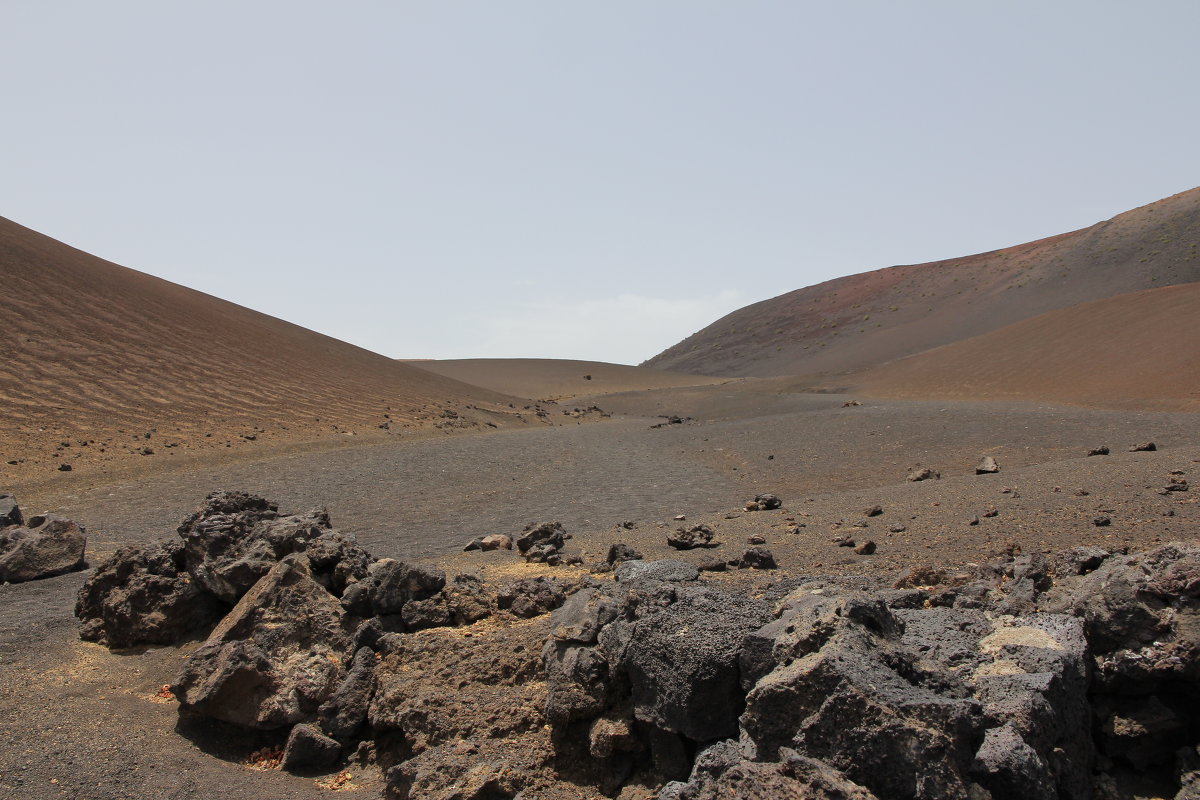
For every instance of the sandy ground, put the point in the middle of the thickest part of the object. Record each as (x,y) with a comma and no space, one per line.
(558,379)
(423,499)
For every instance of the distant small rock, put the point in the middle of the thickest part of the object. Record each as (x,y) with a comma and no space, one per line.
(897,528)
(991,512)
(973,521)
(755,558)
(688,538)
(1098,451)
(873,511)
(764,502)
(1102,521)
(756,539)
(622,552)
(923,474)
(843,541)
(987,466)
(866,548)
(64,467)
(1143,447)
(530,597)
(495,541)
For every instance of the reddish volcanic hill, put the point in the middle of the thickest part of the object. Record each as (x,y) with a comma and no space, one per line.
(862,320)
(94,352)
(1135,350)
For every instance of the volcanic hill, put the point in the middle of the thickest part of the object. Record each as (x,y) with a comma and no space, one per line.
(864,320)
(99,362)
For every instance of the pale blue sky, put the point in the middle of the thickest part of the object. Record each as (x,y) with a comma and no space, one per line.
(577,180)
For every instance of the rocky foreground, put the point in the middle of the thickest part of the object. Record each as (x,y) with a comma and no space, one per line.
(1063,676)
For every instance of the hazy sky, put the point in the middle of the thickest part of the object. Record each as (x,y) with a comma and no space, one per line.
(577,180)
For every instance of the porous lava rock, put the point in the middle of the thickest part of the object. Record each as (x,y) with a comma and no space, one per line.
(755,558)
(764,502)
(695,536)
(144,596)
(531,597)
(620,552)
(235,538)
(646,672)
(545,534)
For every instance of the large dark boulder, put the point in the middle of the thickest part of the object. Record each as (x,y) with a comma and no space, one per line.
(275,658)
(646,670)
(46,546)
(904,702)
(144,596)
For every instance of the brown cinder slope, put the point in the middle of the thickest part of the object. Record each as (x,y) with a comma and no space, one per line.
(94,351)
(861,320)
(1135,350)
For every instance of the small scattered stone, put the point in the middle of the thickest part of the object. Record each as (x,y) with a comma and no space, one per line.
(1098,451)
(680,517)
(923,474)
(1102,521)
(866,548)
(756,539)
(897,528)
(696,536)
(64,467)
(844,541)
(755,558)
(987,466)
(1143,447)
(991,512)
(767,502)
(873,511)
(495,541)
(973,521)
(622,552)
